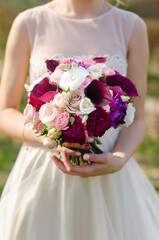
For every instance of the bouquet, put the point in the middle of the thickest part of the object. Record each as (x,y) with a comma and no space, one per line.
(78,99)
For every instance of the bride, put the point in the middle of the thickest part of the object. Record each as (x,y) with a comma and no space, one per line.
(49,199)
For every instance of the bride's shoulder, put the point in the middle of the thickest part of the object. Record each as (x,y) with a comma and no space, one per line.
(125,15)
(128,20)
(34,13)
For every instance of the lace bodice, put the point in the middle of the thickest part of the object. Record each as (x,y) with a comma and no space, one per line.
(38,66)
(55,37)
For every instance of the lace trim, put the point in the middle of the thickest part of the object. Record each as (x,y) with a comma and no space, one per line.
(38,66)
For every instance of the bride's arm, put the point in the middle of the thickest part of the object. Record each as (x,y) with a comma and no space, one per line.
(130,138)
(12,84)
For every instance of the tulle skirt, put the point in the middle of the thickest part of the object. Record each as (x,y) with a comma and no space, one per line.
(39,202)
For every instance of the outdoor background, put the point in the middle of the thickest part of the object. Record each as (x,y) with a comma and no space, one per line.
(148,153)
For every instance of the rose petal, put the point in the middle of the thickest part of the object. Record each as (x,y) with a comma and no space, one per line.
(99,93)
(126,85)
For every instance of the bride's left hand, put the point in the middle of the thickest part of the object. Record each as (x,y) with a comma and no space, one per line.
(102,164)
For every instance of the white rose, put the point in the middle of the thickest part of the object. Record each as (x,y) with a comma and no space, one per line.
(130,114)
(73,78)
(86,106)
(29,114)
(96,71)
(47,114)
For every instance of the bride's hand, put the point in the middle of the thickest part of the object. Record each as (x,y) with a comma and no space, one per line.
(66,147)
(102,164)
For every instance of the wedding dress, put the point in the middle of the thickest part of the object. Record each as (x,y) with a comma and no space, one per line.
(39,202)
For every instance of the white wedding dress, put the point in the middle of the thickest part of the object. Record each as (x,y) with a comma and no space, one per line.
(39,202)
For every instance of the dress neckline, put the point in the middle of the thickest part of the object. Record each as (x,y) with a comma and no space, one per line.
(80,19)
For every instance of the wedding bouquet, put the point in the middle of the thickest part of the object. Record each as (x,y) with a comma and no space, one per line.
(78,99)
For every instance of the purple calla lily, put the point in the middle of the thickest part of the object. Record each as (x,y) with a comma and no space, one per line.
(99,59)
(124,83)
(44,91)
(51,65)
(98,92)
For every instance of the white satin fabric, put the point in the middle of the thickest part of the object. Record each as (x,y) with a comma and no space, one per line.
(39,202)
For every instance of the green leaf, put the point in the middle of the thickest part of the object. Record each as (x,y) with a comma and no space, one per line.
(72,120)
(131,100)
(45,130)
(65,67)
(74,65)
(102,77)
(58,134)
(68,90)
(84,119)
(97,140)
(61,142)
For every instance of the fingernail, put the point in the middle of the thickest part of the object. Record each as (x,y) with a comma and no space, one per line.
(86,157)
(78,154)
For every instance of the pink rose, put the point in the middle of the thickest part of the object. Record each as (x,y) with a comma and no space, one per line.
(56,76)
(59,101)
(49,143)
(88,61)
(39,126)
(85,83)
(29,113)
(62,121)
(47,114)
(109,72)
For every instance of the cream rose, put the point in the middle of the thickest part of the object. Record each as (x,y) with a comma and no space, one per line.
(73,100)
(96,71)
(47,114)
(59,100)
(86,106)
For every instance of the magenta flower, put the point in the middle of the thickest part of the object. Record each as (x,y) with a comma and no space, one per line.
(51,65)
(99,93)
(44,91)
(75,132)
(98,122)
(124,83)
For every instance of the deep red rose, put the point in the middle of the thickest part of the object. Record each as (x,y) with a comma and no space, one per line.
(75,133)
(98,122)
(35,102)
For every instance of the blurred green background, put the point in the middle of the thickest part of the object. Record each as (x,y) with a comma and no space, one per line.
(148,153)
